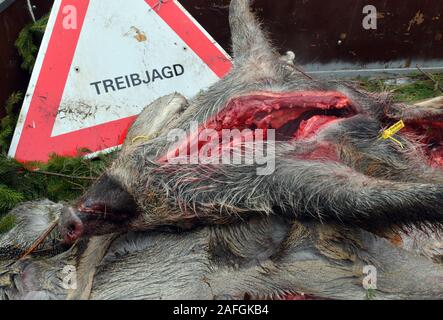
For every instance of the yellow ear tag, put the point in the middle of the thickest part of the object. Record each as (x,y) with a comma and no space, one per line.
(388,133)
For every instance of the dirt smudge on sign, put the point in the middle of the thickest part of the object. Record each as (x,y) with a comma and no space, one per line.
(140,36)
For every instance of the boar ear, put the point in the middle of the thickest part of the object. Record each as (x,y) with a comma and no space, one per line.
(429,111)
(154,119)
(249,42)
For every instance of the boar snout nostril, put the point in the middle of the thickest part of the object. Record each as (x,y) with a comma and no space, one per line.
(71,226)
(74,231)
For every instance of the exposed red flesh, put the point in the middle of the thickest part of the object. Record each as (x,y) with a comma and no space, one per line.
(303,112)
(269,110)
(309,127)
(272,110)
(432,131)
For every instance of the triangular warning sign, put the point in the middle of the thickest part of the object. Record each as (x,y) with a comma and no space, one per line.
(100,63)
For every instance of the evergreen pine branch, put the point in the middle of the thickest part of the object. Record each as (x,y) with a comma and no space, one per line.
(7,223)
(28,42)
(9,198)
(8,123)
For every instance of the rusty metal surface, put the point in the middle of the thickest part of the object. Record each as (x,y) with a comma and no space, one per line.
(326,35)
(4,4)
(12,20)
(329,35)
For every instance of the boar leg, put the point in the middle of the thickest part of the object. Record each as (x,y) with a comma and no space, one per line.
(336,192)
(304,189)
(89,261)
(254,56)
(430,110)
(248,40)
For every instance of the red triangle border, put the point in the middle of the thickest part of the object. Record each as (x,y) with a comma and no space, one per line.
(36,143)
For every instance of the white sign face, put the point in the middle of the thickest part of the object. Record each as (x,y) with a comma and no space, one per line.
(101,62)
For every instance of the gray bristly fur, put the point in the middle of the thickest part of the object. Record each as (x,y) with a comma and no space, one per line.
(426,243)
(261,258)
(32,219)
(375,184)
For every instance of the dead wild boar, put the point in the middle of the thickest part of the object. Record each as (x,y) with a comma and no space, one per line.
(162,230)
(330,163)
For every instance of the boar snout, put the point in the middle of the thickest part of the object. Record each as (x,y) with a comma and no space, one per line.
(70,226)
(105,208)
